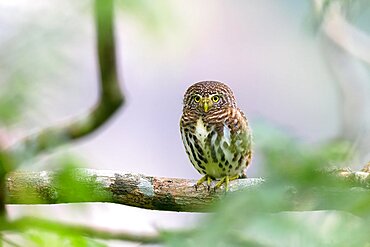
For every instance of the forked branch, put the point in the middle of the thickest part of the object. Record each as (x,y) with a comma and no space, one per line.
(110,98)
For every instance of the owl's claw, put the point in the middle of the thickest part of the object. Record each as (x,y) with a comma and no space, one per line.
(243,174)
(225,180)
(202,180)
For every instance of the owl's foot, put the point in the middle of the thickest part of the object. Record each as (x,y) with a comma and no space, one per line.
(202,180)
(243,174)
(225,180)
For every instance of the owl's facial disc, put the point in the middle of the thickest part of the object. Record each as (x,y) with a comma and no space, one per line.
(204,103)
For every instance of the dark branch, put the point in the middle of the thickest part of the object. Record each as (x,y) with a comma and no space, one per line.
(110,95)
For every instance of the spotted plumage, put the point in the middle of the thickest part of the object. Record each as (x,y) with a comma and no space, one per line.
(215,132)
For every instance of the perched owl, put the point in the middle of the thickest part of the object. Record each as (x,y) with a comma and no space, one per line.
(215,133)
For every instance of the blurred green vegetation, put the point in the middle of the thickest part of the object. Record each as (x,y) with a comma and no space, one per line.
(13,97)
(153,16)
(46,239)
(74,186)
(301,203)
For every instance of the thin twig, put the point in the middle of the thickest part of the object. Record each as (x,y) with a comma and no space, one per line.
(10,242)
(4,162)
(353,40)
(110,99)
(27,223)
(346,49)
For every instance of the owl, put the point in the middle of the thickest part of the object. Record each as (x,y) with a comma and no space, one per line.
(215,133)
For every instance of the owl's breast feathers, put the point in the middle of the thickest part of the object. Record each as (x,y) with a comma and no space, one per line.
(230,117)
(219,143)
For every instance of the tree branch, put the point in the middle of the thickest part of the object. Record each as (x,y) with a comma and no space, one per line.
(110,95)
(172,194)
(137,190)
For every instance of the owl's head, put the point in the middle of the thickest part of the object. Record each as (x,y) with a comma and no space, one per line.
(208,96)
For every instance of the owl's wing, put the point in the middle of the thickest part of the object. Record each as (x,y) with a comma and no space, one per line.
(241,135)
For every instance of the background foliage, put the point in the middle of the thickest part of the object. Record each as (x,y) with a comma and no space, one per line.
(295,207)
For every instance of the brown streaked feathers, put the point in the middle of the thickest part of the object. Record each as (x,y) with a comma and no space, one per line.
(215,133)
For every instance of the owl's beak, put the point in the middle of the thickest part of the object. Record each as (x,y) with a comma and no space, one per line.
(207,104)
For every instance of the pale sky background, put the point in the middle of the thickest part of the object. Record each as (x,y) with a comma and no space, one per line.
(265,50)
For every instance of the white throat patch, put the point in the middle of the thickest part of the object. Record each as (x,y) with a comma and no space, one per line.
(201,131)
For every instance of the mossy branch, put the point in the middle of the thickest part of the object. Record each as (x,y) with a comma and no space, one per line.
(172,194)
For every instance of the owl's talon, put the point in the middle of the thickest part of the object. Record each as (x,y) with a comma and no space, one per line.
(209,180)
(225,180)
(243,175)
(203,179)
(221,182)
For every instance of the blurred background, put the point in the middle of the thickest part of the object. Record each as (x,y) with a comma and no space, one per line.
(284,68)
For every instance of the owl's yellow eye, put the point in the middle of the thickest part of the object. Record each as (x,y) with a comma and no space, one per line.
(197,98)
(215,98)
